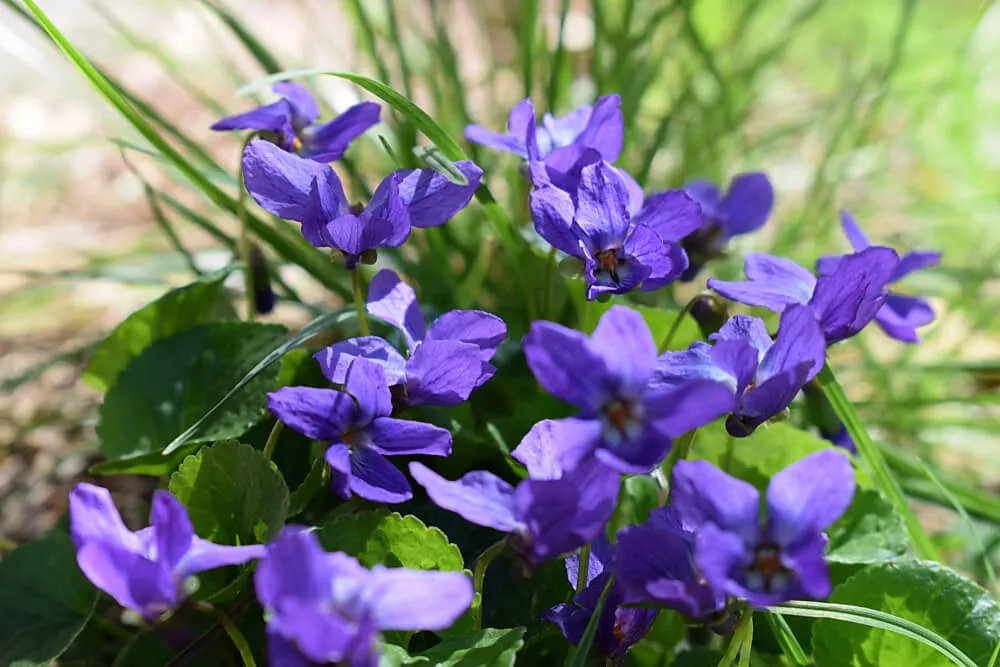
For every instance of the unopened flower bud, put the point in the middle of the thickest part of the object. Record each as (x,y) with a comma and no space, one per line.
(710,312)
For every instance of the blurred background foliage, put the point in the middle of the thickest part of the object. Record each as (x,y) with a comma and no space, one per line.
(890,108)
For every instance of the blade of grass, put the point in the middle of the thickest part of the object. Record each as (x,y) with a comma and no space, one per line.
(552,92)
(366,33)
(883,477)
(876,619)
(581,652)
(264,57)
(789,643)
(529,20)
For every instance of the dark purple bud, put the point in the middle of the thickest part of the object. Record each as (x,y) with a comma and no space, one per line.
(260,280)
(710,312)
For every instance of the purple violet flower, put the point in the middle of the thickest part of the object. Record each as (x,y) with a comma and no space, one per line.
(619,627)
(446,361)
(763,375)
(743,209)
(654,562)
(324,608)
(621,249)
(900,314)
(311,193)
(843,302)
(624,421)
(144,571)
(600,127)
(780,558)
(291,120)
(360,432)
(551,513)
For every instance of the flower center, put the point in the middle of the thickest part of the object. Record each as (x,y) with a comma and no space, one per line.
(622,419)
(767,572)
(610,268)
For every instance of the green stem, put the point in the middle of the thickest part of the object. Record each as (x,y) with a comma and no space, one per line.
(484,562)
(675,325)
(235,635)
(243,245)
(679,451)
(743,636)
(547,296)
(359,302)
(882,476)
(582,568)
(272,439)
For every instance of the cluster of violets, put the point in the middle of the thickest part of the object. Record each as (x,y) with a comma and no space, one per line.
(717,541)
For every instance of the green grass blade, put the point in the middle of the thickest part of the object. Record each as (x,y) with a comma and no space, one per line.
(367,37)
(876,619)
(991,575)
(263,56)
(883,477)
(529,21)
(789,643)
(314,327)
(555,71)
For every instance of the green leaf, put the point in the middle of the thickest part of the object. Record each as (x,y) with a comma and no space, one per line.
(174,382)
(178,310)
(870,531)
(233,494)
(378,536)
(698,656)
(496,647)
(934,598)
(45,601)
(659,320)
(318,324)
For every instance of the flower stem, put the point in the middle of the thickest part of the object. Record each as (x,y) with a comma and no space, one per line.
(484,562)
(884,480)
(547,296)
(675,325)
(272,438)
(235,635)
(741,641)
(679,451)
(359,302)
(582,568)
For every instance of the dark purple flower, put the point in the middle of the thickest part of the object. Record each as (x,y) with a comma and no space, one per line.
(446,361)
(843,301)
(600,127)
(291,120)
(311,193)
(324,608)
(552,513)
(621,251)
(360,431)
(619,627)
(763,375)
(624,421)
(900,314)
(743,209)
(144,571)
(654,562)
(780,558)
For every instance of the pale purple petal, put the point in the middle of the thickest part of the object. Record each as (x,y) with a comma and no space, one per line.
(430,197)
(302,102)
(478,134)
(373,477)
(636,455)
(565,129)
(329,142)
(353,235)
(335,359)
(605,130)
(808,496)
(738,359)
(93,517)
(205,555)
(400,600)
(853,232)
(774,283)
(672,214)
(283,652)
(338,456)
(719,555)
(636,196)
(319,414)
(646,249)
(663,273)
(320,636)
(703,494)
(602,207)
(275,117)
(484,330)
(914,261)
(812,573)
(761,266)
(172,528)
(367,384)
(479,497)
(442,372)
(747,204)
(708,196)
(281,182)
(622,337)
(134,581)
(900,316)
(745,327)
(553,446)
(846,300)
(566,365)
(521,118)
(770,397)
(552,211)
(695,363)
(398,436)
(799,340)
(689,405)
(393,301)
